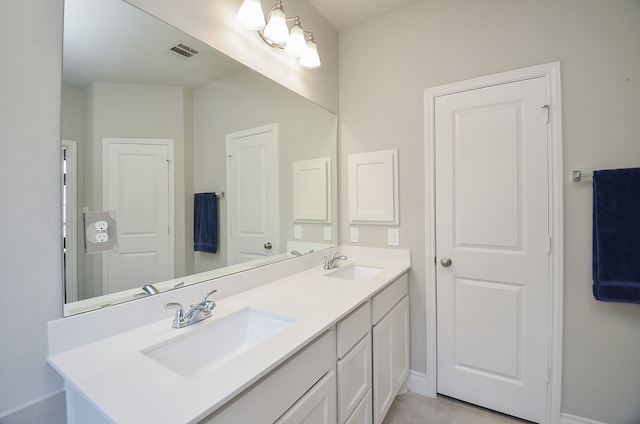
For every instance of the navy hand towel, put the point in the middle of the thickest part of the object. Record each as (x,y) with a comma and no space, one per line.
(205,222)
(616,235)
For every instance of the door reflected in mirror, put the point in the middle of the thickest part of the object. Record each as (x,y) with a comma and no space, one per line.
(127,92)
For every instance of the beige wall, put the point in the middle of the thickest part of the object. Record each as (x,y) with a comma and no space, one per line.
(30,258)
(386,64)
(246,100)
(128,111)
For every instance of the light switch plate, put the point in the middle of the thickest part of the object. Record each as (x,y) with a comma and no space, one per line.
(297,232)
(394,237)
(354,235)
(327,233)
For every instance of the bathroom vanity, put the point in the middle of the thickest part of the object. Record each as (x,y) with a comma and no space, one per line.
(313,346)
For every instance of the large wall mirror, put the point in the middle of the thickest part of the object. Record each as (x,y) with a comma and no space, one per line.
(153,122)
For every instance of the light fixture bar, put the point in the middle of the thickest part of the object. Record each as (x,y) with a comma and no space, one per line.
(275,32)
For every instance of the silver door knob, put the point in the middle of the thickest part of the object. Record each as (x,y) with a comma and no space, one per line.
(268,245)
(445,262)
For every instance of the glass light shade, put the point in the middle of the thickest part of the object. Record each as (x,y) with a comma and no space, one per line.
(310,58)
(296,45)
(251,15)
(276,30)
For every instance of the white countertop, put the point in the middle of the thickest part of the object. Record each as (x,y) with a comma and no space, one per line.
(128,387)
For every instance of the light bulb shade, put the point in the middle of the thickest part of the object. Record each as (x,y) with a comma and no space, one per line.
(296,45)
(251,15)
(276,30)
(310,58)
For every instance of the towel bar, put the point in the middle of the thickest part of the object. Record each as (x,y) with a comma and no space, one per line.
(578,175)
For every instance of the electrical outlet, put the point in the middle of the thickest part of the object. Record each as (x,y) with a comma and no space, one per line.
(102,237)
(327,233)
(101,225)
(354,235)
(297,232)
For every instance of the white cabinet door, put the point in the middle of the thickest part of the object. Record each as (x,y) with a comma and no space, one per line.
(390,358)
(354,378)
(363,413)
(317,406)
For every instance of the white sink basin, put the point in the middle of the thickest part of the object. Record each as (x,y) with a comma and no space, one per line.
(355,272)
(203,350)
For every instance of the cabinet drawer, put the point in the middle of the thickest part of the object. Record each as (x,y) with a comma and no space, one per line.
(387,298)
(352,328)
(278,390)
(364,411)
(317,406)
(354,377)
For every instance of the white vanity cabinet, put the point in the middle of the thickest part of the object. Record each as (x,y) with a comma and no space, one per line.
(354,365)
(281,396)
(342,357)
(390,319)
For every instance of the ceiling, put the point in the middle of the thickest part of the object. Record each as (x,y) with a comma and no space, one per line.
(343,14)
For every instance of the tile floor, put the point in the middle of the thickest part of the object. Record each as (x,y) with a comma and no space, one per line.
(411,408)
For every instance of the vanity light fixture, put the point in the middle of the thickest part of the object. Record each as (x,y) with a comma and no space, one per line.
(276,33)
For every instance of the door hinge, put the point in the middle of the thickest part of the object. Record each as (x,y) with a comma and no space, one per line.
(550,247)
(548,374)
(546,108)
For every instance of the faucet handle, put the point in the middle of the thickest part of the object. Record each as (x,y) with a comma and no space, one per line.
(180,318)
(204,298)
(178,306)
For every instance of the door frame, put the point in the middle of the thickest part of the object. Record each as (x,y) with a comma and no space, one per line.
(551,73)
(71,254)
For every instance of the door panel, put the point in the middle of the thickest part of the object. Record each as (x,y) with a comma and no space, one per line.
(492,222)
(252,194)
(137,187)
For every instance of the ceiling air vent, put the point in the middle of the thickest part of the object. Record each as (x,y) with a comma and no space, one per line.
(185,51)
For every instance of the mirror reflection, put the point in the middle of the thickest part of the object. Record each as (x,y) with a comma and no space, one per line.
(152,121)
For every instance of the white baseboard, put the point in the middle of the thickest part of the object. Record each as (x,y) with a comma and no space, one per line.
(417,383)
(50,408)
(572,419)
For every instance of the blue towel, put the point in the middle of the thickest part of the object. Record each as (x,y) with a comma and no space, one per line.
(205,222)
(616,235)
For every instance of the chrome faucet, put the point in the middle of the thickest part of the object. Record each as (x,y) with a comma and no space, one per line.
(331,263)
(150,289)
(198,312)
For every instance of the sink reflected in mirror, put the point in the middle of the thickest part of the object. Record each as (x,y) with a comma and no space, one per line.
(355,272)
(202,350)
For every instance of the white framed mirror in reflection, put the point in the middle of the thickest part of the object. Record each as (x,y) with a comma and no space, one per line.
(149,119)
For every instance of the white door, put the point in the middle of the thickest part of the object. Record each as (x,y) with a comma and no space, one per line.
(492,247)
(252,194)
(138,186)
